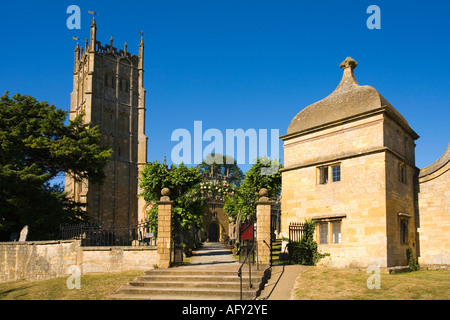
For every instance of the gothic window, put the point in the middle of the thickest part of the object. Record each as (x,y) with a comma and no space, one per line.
(124,85)
(125,149)
(109,80)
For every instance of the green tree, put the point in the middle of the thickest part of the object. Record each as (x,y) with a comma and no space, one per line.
(35,147)
(222,165)
(243,202)
(184,185)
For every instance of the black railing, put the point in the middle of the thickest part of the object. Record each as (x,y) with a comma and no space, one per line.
(270,249)
(249,269)
(109,235)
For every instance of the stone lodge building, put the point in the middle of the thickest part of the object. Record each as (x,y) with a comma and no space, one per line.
(350,166)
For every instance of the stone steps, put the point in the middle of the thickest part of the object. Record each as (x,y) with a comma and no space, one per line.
(192,284)
(195,278)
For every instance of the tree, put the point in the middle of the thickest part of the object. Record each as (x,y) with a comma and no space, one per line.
(184,185)
(35,147)
(222,165)
(243,202)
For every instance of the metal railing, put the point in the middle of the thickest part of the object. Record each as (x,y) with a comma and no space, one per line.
(296,231)
(270,249)
(249,269)
(109,235)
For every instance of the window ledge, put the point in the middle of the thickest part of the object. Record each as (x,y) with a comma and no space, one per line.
(330,216)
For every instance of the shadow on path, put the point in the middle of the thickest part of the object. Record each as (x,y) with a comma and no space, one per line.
(213,253)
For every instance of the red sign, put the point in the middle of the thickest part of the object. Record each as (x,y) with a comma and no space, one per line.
(246,231)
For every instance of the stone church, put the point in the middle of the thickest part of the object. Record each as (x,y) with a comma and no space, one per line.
(108,89)
(350,166)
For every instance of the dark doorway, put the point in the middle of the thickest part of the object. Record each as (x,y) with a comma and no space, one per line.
(213,232)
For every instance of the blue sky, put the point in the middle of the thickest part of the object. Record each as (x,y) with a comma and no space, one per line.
(243,64)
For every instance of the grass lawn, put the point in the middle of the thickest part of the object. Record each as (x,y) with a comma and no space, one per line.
(93,287)
(320,283)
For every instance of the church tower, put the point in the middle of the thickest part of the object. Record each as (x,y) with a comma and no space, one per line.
(108,89)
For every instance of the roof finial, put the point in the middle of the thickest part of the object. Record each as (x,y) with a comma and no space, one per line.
(348,78)
(348,62)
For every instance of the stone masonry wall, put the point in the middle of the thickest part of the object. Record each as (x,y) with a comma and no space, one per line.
(41,260)
(359,198)
(434,212)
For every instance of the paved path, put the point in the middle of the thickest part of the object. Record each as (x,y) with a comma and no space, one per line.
(213,254)
(282,282)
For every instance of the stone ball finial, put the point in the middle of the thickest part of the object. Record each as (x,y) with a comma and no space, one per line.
(263,192)
(165,192)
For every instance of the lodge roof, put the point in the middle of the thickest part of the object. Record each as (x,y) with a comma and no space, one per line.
(348,101)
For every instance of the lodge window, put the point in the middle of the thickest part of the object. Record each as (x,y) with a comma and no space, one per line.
(330,232)
(403,227)
(402,173)
(336,173)
(404,231)
(323,173)
(336,231)
(323,232)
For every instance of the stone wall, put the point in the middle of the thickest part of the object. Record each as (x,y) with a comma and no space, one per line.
(41,260)
(369,201)
(117,259)
(434,212)
(37,260)
(359,199)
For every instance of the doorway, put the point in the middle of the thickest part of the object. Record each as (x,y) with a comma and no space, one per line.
(213,232)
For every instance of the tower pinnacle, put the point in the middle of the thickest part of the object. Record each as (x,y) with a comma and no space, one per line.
(93,35)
